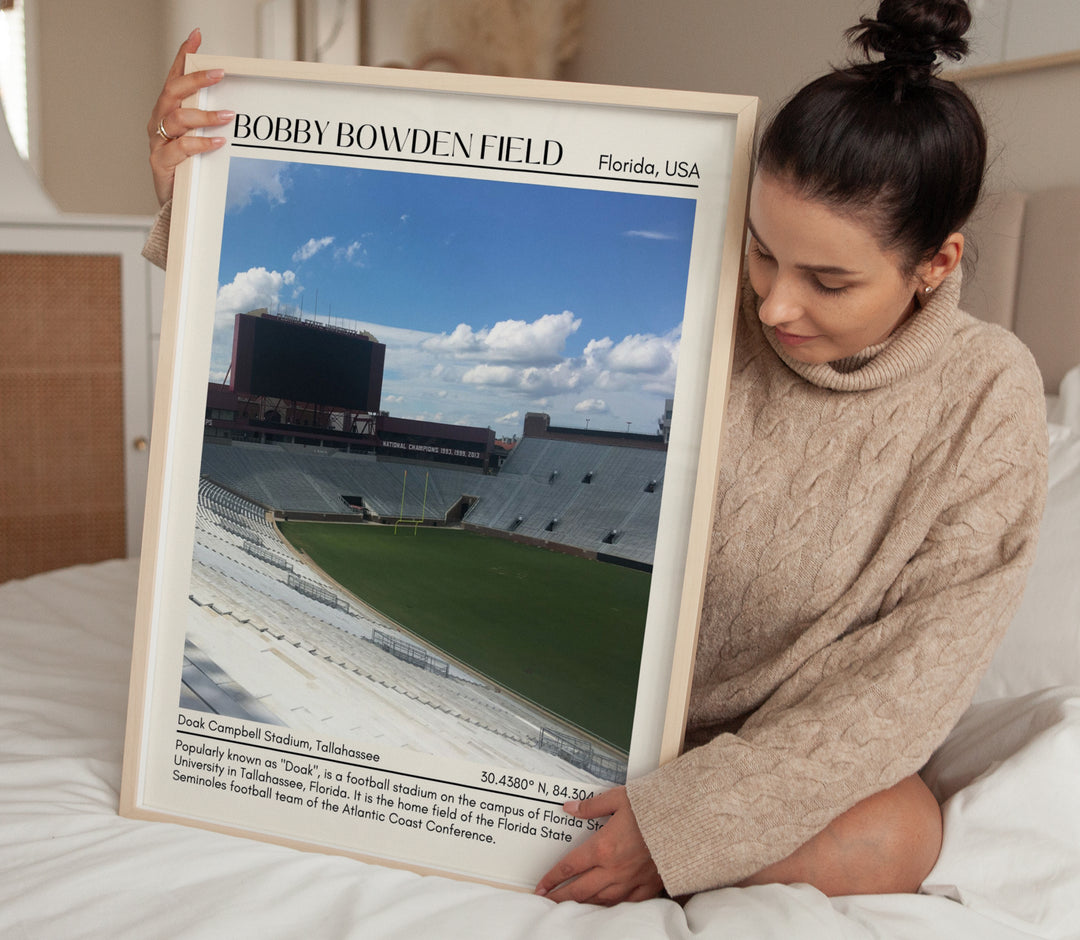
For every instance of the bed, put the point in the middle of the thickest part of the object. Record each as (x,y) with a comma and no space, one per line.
(71,867)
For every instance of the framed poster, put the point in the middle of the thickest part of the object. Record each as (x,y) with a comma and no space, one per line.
(438,414)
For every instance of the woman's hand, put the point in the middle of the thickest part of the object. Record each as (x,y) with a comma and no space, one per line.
(612,865)
(170,120)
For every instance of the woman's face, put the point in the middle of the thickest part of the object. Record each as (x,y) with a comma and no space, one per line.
(826,287)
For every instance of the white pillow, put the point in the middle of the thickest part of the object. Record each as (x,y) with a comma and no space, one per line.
(1042,646)
(1064,407)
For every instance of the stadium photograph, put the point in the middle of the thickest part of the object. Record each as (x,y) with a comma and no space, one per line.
(433,461)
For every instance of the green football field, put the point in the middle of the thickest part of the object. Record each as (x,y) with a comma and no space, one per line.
(562,631)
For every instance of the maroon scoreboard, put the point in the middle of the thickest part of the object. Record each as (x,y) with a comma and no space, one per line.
(279,357)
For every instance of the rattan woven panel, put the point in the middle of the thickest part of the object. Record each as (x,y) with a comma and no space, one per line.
(61,412)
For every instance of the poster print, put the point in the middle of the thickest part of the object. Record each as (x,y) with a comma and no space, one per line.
(439,403)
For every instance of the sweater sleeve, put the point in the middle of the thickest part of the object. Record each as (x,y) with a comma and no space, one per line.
(156,249)
(869,709)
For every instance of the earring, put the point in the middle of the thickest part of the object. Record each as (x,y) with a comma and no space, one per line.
(928,289)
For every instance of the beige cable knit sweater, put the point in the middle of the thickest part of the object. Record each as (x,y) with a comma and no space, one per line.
(876,519)
(156,249)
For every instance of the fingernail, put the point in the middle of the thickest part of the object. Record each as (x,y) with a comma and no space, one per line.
(540,892)
(216,73)
(217,141)
(572,806)
(224,116)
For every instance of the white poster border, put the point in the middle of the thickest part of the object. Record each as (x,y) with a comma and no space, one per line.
(595,138)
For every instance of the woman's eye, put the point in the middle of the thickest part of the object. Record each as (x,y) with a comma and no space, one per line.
(758,252)
(824,289)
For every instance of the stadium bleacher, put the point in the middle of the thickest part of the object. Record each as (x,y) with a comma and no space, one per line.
(263,644)
(540,481)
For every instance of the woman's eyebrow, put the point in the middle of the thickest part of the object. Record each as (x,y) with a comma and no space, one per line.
(814,268)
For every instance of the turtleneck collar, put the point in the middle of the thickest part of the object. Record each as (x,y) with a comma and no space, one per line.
(909,350)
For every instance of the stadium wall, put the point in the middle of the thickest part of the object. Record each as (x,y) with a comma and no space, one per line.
(560,547)
(624,562)
(538,425)
(289,516)
(452,517)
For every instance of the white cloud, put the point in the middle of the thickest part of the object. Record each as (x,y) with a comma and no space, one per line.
(639,363)
(462,341)
(249,290)
(311,248)
(540,342)
(641,353)
(596,351)
(457,377)
(591,406)
(250,178)
(651,236)
(353,253)
(641,358)
(395,337)
(518,341)
(565,377)
(500,376)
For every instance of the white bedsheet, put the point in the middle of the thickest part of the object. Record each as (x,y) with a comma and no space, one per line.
(70,867)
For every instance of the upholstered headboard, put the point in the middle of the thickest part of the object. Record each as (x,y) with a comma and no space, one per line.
(1026,276)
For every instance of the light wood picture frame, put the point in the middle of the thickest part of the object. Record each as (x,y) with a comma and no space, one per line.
(411,319)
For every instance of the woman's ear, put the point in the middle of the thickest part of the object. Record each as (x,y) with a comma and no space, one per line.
(945,260)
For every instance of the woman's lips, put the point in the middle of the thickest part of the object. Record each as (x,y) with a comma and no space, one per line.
(792,339)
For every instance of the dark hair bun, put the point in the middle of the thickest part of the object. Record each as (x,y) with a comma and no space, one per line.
(913,33)
(885,139)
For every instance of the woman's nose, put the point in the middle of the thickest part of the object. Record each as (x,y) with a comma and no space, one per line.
(779,305)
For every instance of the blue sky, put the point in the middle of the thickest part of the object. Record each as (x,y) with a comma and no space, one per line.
(493,297)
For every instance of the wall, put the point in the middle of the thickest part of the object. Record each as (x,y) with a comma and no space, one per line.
(228,28)
(99,72)
(770,47)
(100,68)
(1034,126)
(102,65)
(765,48)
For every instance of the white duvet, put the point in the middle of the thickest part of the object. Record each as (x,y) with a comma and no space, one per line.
(71,867)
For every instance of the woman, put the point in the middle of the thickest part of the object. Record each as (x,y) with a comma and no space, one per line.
(882,480)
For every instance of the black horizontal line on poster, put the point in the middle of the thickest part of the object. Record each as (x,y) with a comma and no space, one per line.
(372,768)
(471,166)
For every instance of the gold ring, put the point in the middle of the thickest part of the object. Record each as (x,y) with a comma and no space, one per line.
(161,131)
